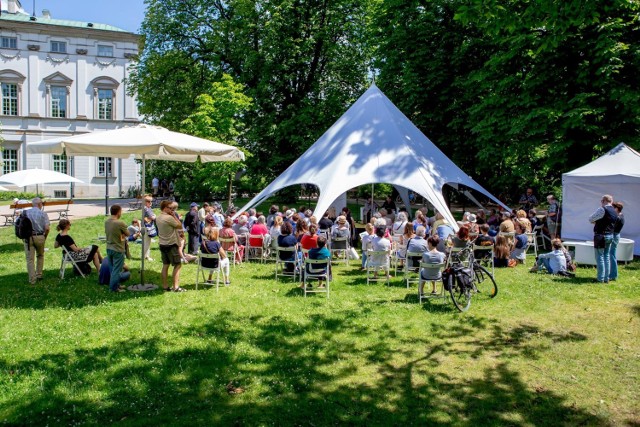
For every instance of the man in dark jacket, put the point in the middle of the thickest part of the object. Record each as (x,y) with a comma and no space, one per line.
(192,225)
(603,220)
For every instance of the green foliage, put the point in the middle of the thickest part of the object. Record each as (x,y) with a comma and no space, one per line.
(10,195)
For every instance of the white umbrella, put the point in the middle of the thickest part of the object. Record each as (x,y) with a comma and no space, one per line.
(3,188)
(36,176)
(142,141)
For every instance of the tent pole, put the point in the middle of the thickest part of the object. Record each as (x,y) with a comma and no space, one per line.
(142,227)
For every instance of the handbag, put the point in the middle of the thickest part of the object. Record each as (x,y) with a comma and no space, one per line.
(353,254)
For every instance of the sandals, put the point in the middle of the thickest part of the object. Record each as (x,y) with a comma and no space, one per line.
(166,289)
(178,289)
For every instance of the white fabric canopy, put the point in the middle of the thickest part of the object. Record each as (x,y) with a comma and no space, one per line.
(36,176)
(617,173)
(373,142)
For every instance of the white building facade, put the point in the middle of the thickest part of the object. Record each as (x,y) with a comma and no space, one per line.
(61,78)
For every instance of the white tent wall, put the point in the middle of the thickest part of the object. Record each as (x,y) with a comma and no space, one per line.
(373,142)
(581,197)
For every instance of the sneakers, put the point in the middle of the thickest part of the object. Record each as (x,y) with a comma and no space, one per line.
(533,269)
(149,259)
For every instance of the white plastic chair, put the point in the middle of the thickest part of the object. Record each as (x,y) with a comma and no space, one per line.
(377,260)
(422,281)
(319,269)
(282,263)
(66,259)
(209,270)
(411,273)
(340,246)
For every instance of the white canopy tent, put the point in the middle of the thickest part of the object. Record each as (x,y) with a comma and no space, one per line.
(373,142)
(144,142)
(617,173)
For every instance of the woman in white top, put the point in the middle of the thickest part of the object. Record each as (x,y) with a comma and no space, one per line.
(398,227)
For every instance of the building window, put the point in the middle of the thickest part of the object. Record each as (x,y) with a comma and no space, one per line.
(105,164)
(58,47)
(58,101)
(9,42)
(104,50)
(9,160)
(105,104)
(9,99)
(60,163)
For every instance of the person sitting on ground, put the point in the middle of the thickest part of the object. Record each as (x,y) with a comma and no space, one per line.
(382,246)
(501,252)
(287,240)
(104,274)
(483,239)
(320,252)
(398,227)
(417,244)
(211,245)
(366,238)
(519,251)
(310,239)
(325,223)
(432,256)
(135,233)
(233,243)
(553,262)
(79,255)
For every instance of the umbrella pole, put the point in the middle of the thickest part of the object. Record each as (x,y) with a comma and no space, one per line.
(143,228)
(106,186)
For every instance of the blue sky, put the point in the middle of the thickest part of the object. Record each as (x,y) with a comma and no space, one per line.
(125,14)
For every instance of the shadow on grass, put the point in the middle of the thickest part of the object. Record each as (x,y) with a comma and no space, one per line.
(290,373)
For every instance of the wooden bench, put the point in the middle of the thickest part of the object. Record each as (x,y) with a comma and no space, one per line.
(60,207)
(136,204)
(10,218)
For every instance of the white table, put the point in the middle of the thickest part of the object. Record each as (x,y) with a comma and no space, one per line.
(583,252)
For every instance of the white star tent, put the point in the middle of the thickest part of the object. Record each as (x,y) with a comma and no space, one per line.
(617,173)
(373,142)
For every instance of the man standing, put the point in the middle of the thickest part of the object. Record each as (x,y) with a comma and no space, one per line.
(192,225)
(168,225)
(552,216)
(34,247)
(528,200)
(155,183)
(604,220)
(116,232)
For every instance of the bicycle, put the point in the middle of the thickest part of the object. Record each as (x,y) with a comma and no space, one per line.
(463,282)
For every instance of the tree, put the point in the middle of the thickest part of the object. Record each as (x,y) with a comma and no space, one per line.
(302,63)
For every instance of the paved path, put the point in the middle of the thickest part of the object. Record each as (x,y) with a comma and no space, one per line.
(82,208)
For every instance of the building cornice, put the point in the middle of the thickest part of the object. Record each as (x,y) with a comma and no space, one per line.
(61,31)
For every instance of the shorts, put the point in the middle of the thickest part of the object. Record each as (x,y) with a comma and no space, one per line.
(170,255)
(552,226)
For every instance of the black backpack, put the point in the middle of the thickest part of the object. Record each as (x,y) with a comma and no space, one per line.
(23,226)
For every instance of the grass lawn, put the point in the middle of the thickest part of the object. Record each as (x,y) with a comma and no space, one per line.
(545,351)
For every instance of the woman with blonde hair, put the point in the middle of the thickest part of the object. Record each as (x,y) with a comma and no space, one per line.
(211,245)
(521,217)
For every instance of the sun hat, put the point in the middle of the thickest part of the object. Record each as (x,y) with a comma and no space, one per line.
(472,218)
(288,213)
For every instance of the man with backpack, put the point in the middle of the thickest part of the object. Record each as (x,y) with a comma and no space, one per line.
(33,228)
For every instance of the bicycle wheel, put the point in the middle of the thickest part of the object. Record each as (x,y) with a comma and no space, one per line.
(484,283)
(460,295)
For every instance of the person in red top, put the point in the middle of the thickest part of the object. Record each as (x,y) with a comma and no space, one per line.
(260,228)
(310,238)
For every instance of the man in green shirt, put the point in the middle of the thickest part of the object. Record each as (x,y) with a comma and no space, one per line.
(116,231)
(168,225)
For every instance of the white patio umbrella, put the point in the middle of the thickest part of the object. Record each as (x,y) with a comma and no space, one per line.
(144,142)
(3,188)
(35,177)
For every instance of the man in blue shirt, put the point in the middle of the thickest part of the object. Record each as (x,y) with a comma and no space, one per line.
(554,262)
(321,252)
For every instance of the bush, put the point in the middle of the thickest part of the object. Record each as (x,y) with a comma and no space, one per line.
(10,195)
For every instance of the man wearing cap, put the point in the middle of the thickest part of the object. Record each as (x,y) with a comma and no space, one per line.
(192,225)
(34,247)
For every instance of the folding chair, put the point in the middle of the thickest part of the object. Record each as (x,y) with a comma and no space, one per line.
(292,259)
(66,258)
(209,270)
(411,271)
(421,282)
(396,247)
(319,269)
(454,250)
(252,251)
(230,242)
(531,243)
(340,246)
(487,261)
(377,260)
